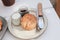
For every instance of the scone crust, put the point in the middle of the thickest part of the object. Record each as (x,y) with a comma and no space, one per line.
(28,21)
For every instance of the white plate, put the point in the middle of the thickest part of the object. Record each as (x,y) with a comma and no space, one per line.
(18,32)
(4,27)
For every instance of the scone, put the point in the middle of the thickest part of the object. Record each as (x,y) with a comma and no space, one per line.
(28,22)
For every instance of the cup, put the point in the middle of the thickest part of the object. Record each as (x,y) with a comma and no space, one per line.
(8,2)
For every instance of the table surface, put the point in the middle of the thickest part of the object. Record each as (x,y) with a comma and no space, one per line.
(29,3)
(53,30)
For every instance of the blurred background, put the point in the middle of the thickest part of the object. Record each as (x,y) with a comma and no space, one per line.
(56,5)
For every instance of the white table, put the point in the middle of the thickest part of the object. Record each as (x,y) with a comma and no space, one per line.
(30,3)
(53,30)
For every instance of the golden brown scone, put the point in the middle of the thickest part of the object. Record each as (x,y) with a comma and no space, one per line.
(28,21)
(0,24)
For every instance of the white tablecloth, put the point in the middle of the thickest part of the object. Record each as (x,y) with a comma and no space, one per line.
(29,3)
(53,30)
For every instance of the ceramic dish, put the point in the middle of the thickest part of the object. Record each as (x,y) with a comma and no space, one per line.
(4,27)
(18,32)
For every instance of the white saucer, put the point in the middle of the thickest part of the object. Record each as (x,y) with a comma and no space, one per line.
(23,34)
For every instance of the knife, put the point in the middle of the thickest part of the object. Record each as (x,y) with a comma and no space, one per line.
(40,17)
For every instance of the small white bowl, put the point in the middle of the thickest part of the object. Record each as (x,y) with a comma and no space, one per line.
(15,18)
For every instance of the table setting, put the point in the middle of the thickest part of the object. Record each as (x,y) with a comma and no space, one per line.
(28,20)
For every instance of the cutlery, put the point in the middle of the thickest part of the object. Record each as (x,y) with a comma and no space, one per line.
(40,17)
